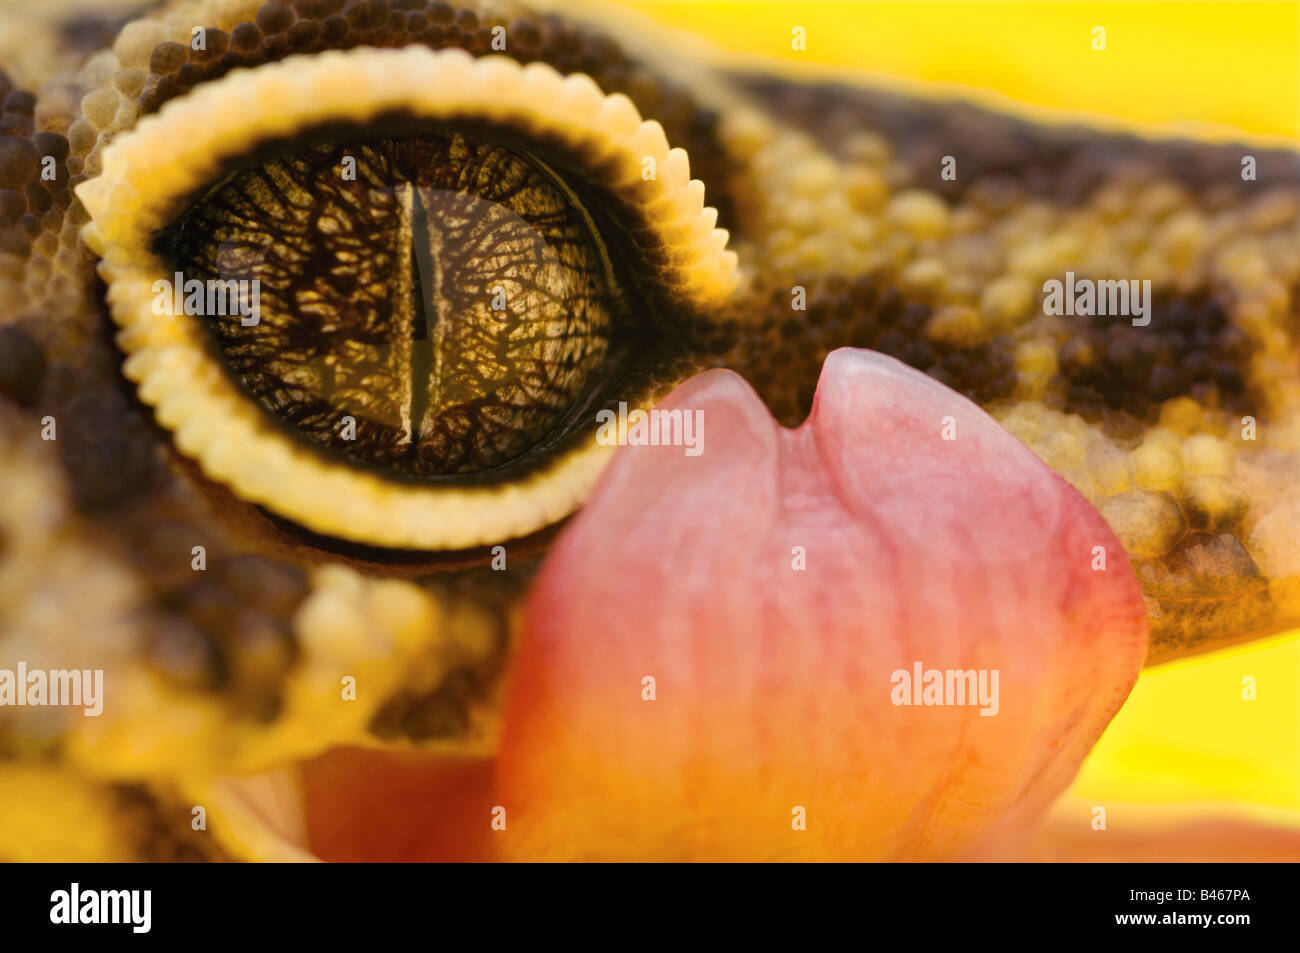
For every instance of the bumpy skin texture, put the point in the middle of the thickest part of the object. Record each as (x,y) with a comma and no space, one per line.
(834,189)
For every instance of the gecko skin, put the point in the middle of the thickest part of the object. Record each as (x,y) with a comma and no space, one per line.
(1183,431)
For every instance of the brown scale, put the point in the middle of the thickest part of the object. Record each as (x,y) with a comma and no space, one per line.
(1191,348)
(28,203)
(1065,164)
(108,445)
(781,355)
(159,826)
(438,714)
(229,630)
(445,711)
(22,365)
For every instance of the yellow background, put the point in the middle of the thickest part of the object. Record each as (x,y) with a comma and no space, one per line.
(1227,64)
(1186,736)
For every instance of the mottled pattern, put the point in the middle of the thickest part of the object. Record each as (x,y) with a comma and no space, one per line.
(863,311)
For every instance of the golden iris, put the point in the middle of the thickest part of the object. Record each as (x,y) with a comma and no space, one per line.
(430,304)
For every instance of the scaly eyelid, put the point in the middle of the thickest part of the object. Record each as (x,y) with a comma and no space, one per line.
(150,172)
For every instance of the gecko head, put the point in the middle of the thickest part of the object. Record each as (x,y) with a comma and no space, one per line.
(887,633)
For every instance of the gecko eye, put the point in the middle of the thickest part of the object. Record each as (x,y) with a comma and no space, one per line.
(432,304)
(429,273)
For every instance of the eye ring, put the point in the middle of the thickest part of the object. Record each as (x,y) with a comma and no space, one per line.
(150,172)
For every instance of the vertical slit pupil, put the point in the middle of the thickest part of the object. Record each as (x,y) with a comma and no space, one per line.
(447,296)
(424,312)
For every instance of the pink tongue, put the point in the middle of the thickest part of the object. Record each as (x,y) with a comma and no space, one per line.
(775,588)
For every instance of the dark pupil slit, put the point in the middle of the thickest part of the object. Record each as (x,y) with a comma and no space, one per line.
(421,264)
(432,305)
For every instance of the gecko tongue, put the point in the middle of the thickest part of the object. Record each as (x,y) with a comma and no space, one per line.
(733,654)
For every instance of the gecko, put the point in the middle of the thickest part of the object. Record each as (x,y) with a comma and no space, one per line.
(386,532)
